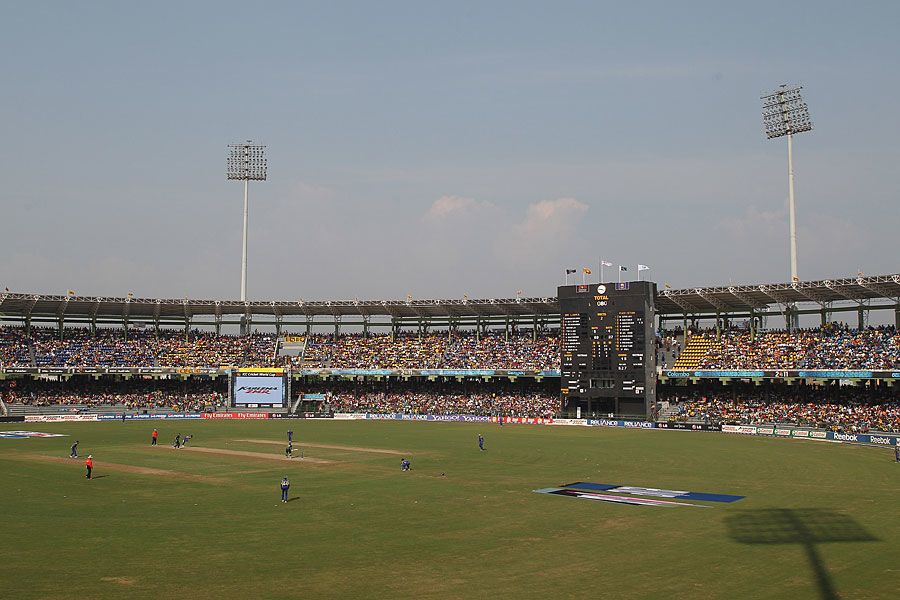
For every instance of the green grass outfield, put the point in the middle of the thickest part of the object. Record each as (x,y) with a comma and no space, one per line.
(190,524)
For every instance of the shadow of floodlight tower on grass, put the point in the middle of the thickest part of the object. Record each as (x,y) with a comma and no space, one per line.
(806,527)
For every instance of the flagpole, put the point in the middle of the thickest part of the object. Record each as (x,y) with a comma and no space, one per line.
(601,270)
(620,273)
(582,277)
(643,268)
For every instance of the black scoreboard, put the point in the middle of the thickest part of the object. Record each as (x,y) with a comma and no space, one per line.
(608,348)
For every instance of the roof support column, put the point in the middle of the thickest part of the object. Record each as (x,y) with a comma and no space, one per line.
(188,317)
(861,317)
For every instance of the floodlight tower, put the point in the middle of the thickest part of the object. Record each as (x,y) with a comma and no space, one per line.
(246,162)
(784,114)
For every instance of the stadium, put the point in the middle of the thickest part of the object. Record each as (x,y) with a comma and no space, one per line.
(106,371)
(606,434)
(495,358)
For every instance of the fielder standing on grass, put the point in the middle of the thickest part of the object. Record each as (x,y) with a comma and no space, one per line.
(481,442)
(896,451)
(153,437)
(89,466)
(285,487)
(73,452)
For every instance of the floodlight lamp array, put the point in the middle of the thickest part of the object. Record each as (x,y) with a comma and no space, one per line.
(785,112)
(246,162)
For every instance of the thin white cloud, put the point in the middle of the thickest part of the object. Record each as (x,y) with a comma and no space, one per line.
(755,223)
(548,217)
(452,206)
(535,240)
(309,194)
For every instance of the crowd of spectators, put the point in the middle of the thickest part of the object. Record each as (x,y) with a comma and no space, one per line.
(192,395)
(517,405)
(831,347)
(202,349)
(668,345)
(847,409)
(850,409)
(494,351)
(440,397)
(108,347)
(405,351)
(842,348)
(80,348)
(14,348)
(459,350)
(317,353)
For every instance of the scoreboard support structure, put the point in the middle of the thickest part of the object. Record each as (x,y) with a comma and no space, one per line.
(608,348)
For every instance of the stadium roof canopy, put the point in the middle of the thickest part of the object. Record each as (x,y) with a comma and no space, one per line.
(744,298)
(691,301)
(151,309)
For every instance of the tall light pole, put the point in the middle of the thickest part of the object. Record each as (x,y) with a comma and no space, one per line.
(246,162)
(784,114)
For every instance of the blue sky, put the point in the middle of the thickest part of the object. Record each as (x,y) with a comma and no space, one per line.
(438,150)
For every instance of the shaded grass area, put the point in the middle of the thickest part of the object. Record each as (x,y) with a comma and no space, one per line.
(359,527)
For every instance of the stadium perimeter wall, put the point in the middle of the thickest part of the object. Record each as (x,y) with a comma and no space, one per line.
(773,430)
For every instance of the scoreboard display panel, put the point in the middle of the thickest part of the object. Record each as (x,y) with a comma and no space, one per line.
(608,347)
(258,388)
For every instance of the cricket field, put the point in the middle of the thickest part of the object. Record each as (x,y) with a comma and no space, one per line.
(818,520)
